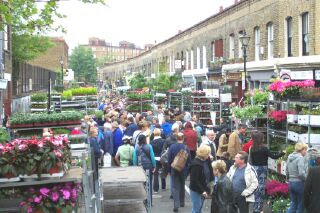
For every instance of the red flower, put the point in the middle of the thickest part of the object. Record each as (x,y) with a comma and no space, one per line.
(275,188)
(279,116)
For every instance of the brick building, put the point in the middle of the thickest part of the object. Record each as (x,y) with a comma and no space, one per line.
(284,39)
(51,59)
(113,53)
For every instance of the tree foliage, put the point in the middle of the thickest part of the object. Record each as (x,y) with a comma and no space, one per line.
(164,82)
(83,63)
(138,81)
(28,20)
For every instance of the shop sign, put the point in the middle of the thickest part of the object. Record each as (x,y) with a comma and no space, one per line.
(177,64)
(226,98)
(302,75)
(317,74)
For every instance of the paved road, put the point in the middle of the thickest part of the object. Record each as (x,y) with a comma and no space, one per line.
(163,204)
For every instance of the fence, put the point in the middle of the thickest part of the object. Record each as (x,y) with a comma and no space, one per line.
(27,79)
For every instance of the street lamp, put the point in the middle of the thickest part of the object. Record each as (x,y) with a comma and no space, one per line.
(61,63)
(244,40)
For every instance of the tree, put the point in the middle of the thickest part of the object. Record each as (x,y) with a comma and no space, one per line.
(138,81)
(28,20)
(164,82)
(83,63)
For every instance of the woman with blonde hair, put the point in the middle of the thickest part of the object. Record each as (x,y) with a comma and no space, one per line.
(297,174)
(201,175)
(222,199)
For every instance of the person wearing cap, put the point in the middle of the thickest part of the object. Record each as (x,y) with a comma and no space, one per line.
(124,155)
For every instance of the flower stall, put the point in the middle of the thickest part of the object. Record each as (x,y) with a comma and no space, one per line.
(294,116)
(139,102)
(36,175)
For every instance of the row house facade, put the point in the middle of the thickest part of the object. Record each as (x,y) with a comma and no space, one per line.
(284,38)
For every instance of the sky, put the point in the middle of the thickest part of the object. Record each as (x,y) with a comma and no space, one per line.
(138,21)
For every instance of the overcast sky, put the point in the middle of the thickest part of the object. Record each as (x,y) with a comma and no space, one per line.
(137,21)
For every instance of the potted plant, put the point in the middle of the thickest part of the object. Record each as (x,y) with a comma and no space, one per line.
(289,89)
(277,119)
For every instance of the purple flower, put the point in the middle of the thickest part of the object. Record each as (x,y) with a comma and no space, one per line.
(29,209)
(66,194)
(44,191)
(38,199)
(22,204)
(32,190)
(73,194)
(54,196)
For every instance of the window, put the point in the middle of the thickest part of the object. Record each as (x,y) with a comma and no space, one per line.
(204,57)
(240,45)
(257,43)
(213,52)
(218,47)
(289,36)
(270,40)
(305,34)
(192,60)
(231,46)
(5,38)
(198,58)
(187,60)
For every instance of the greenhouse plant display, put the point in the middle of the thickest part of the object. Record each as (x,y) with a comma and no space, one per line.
(278,194)
(289,89)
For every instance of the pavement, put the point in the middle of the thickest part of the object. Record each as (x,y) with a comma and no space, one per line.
(163,204)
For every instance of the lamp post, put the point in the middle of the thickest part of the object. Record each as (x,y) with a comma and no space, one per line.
(61,63)
(244,39)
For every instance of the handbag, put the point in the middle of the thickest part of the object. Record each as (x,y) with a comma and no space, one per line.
(180,160)
(164,157)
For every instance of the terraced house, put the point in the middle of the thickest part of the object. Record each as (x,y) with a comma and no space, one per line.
(284,40)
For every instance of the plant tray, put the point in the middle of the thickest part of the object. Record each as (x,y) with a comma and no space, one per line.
(8,180)
(293,136)
(33,177)
(78,146)
(292,118)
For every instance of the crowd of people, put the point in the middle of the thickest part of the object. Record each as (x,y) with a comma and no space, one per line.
(222,166)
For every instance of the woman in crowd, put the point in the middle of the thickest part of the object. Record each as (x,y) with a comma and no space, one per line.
(191,139)
(96,148)
(124,156)
(297,173)
(223,142)
(201,175)
(143,155)
(157,145)
(222,199)
(258,157)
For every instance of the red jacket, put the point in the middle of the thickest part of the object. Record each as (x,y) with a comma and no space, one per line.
(190,137)
(247,146)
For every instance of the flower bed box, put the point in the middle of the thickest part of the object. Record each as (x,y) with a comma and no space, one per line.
(303,119)
(315,120)
(293,136)
(6,180)
(283,167)
(272,164)
(79,146)
(13,126)
(28,178)
(292,118)
(314,138)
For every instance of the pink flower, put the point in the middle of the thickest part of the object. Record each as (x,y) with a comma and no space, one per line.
(279,116)
(45,191)
(40,144)
(57,153)
(54,196)
(73,194)
(22,147)
(38,199)
(66,194)
(21,204)
(29,209)
(57,141)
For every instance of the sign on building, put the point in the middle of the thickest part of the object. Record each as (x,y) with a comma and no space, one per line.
(177,64)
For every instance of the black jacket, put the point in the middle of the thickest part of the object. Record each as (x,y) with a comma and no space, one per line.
(222,199)
(198,181)
(312,190)
(171,139)
(157,145)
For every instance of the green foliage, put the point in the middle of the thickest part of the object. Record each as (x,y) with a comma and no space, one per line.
(290,149)
(280,205)
(28,47)
(4,135)
(29,118)
(259,97)
(39,97)
(84,91)
(248,112)
(164,82)
(138,81)
(137,107)
(139,96)
(103,60)
(83,64)
(60,131)
(66,95)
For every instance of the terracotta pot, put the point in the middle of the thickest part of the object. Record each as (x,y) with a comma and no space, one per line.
(55,169)
(9,175)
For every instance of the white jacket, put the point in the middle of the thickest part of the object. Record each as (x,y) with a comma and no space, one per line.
(250,177)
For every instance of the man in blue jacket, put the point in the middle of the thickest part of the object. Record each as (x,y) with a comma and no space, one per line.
(166,126)
(131,128)
(117,137)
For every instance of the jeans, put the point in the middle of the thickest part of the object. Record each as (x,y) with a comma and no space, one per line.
(241,203)
(178,190)
(197,201)
(259,194)
(156,179)
(150,174)
(296,190)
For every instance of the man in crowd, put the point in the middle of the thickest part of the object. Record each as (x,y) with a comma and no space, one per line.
(245,182)
(210,142)
(234,145)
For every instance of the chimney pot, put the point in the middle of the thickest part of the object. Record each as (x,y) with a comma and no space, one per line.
(221,9)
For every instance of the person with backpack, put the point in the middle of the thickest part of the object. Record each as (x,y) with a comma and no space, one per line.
(143,155)
(124,156)
(157,145)
(201,174)
(179,160)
